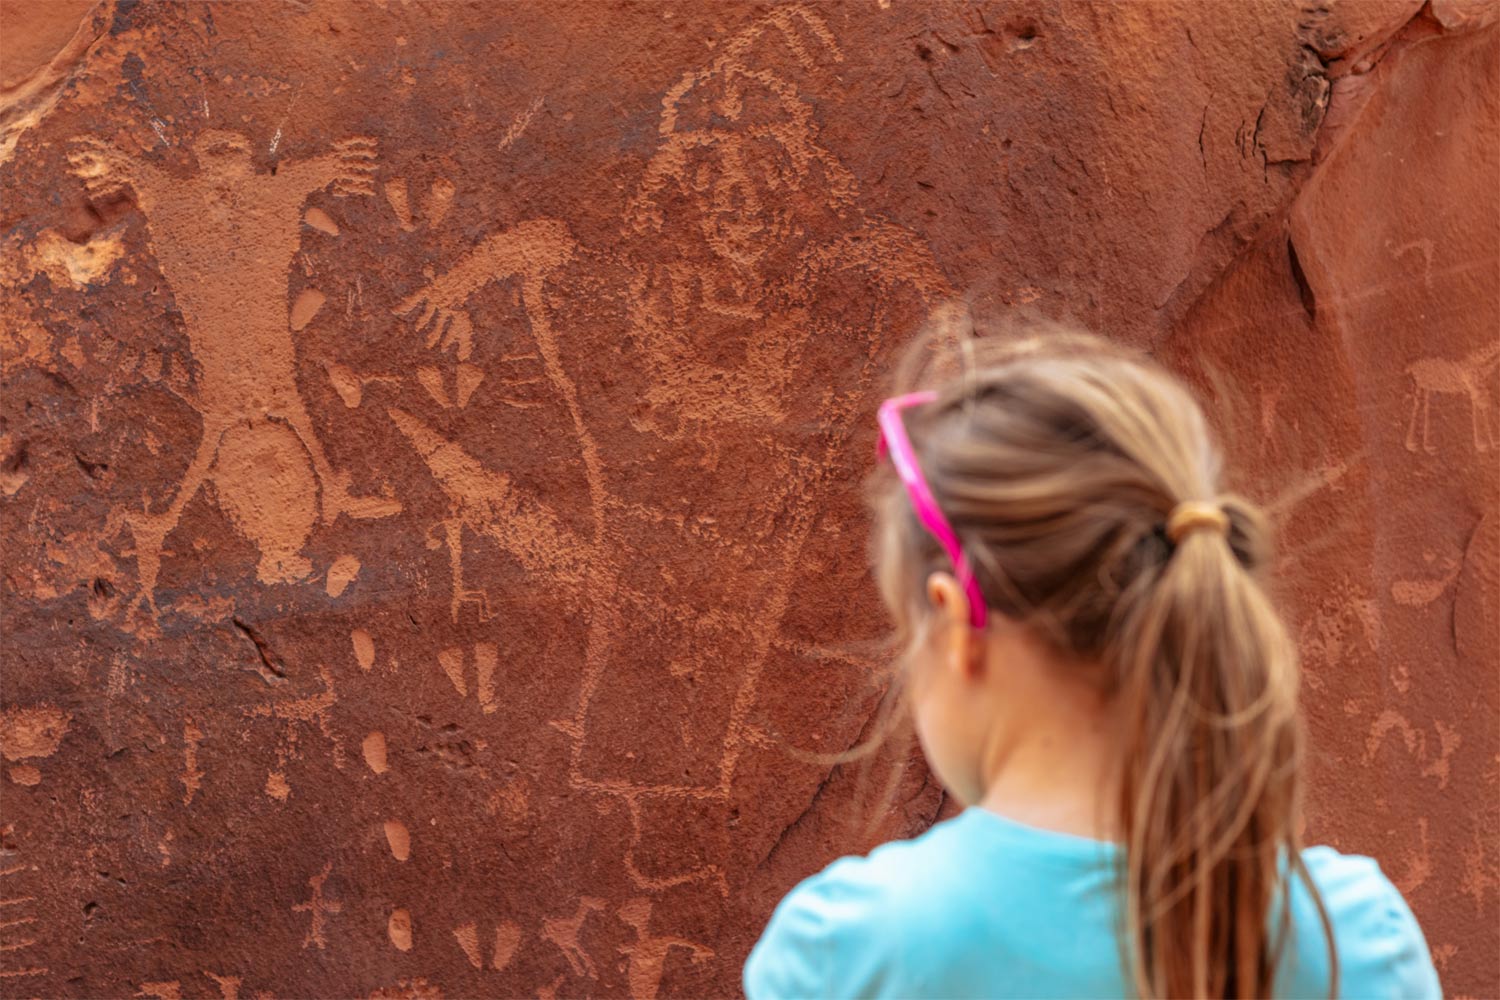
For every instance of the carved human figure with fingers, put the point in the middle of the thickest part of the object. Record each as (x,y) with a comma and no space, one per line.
(225,238)
(735,375)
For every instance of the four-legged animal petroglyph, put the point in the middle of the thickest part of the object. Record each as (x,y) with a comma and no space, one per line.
(225,239)
(293,712)
(564,931)
(649,953)
(1467,377)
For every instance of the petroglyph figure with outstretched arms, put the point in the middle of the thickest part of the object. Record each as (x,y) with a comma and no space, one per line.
(225,238)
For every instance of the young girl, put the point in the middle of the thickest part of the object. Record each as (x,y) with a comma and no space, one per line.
(1098,676)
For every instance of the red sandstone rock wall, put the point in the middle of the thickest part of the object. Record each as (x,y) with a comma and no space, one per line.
(431,435)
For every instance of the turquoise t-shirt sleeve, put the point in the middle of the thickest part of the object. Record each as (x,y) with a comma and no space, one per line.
(1382,951)
(1403,948)
(790,958)
(823,939)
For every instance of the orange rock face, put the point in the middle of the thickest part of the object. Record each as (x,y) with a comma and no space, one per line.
(432,438)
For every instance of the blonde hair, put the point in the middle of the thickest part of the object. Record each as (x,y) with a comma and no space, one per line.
(1059,458)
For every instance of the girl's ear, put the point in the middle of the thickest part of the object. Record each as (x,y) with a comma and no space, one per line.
(951,606)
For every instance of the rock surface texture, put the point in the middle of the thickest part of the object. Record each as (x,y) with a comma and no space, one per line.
(432,439)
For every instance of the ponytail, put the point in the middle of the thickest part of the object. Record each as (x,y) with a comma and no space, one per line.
(1208,687)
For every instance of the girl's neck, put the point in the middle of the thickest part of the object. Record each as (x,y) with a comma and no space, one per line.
(1055,769)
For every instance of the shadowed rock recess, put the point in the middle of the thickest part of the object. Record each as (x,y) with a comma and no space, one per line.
(432,438)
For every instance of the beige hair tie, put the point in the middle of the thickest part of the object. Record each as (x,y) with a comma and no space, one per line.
(1193,514)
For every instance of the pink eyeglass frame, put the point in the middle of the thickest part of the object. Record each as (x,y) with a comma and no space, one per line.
(893,441)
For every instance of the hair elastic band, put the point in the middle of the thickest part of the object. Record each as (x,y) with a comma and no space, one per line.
(1191,515)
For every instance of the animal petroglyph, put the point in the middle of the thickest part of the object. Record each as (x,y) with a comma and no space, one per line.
(294,712)
(564,931)
(1467,377)
(318,909)
(649,953)
(225,239)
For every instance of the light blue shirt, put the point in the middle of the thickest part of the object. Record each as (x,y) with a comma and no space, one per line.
(982,906)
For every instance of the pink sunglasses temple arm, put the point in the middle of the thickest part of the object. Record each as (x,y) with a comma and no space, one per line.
(894,440)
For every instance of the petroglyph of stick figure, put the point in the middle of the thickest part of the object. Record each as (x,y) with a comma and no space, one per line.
(648,954)
(1440,376)
(226,238)
(317,908)
(564,932)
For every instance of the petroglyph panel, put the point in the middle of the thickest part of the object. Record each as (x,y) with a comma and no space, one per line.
(430,470)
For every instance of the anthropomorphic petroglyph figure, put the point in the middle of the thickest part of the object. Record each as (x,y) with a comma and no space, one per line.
(761,301)
(318,909)
(1468,377)
(738,190)
(226,238)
